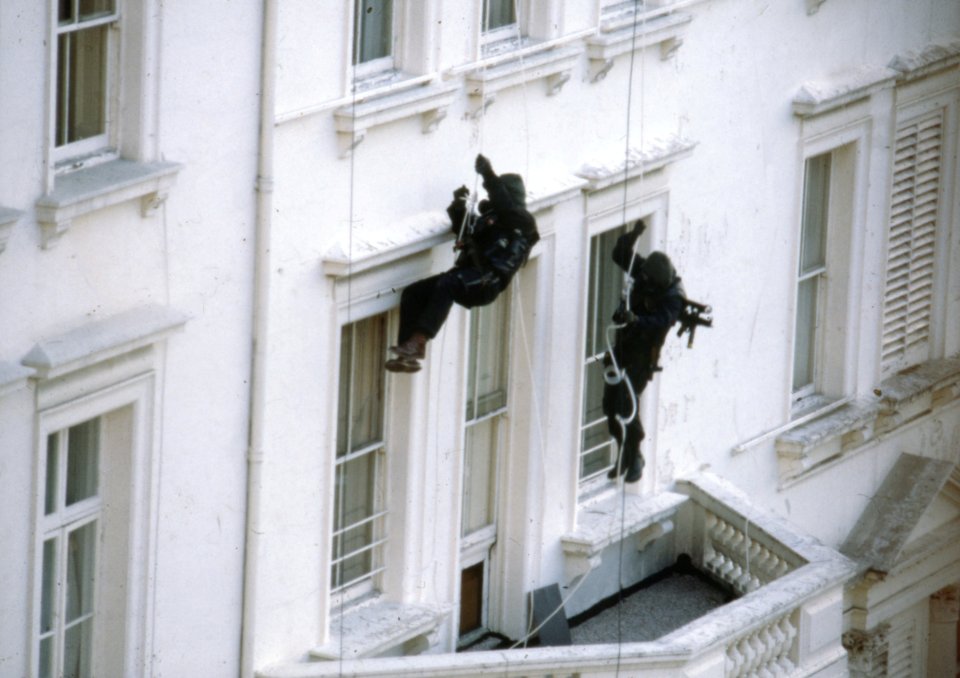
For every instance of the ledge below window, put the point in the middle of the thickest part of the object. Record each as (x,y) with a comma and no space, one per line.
(902,399)
(94,188)
(662,31)
(430,102)
(554,66)
(373,628)
(658,154)
(8,217)
(601,525)
(102,340)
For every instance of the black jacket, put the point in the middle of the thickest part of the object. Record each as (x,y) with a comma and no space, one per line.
(652,310)
(502,235)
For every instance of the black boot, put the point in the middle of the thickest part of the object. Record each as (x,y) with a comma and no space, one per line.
(634,469)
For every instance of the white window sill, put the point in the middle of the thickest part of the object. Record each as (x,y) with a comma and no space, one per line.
(429,101)
(604,172)
(902,400)
(619,37)
(553,65)
(8,217)
(600,525)
(100,186)
(102,340)
(376,627)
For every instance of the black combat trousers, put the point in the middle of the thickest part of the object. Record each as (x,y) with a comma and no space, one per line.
(425,304)
(617,401)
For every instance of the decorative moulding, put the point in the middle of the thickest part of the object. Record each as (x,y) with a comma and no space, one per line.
(901,400)
(911,65)
(94,188)
(102,340)
(654,156)
(430,102)
(616,39)
(817,97)
(8,217)
(553,66)
(13,377)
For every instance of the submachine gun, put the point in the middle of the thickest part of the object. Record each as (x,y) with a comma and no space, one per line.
(693,315)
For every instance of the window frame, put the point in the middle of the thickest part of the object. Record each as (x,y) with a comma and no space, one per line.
(371,582)
(371,73)
(505,38)
(102,146)
(593,361)
(125,510)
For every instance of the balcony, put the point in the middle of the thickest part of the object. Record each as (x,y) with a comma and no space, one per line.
(785,616)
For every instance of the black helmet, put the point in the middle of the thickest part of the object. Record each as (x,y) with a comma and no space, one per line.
(658,269)
(514,185)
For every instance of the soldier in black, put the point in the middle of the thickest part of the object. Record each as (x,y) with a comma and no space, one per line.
(655,303)
(494,245)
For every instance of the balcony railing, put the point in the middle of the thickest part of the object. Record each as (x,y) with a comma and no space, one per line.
(787,620)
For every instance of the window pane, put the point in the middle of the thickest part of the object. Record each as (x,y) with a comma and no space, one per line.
(498,13)
(606,281)
(76,651)
(362,384)
(373,36)
(479,481)
(83,461)
(81,84)
(92,9)
(355,503)
(487,362)
(48,589)
(53,468)
(803,351)
(81,547)
(816,195)
(65,13)
(595,433)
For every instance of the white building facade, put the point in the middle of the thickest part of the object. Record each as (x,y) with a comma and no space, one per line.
(208,212)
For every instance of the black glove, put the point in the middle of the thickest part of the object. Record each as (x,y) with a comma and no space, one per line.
(461,193)
(482,165)
(623,315)
(639,228)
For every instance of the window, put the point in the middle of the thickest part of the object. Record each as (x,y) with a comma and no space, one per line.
(373,37)
(486,409)
(359,498)
(501,27)
(811,273)
(597,449)
(485,426)
(83,70)
(912,235)
(70,530)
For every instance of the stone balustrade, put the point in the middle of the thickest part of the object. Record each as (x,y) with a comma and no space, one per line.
(787,620)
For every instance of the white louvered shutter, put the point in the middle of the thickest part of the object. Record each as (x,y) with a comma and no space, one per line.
(914,208)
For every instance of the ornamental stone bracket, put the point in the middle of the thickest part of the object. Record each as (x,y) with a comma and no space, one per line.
(101,186)
(616,39)
(553,66)
(8,217)
(867,651)
(430,102)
